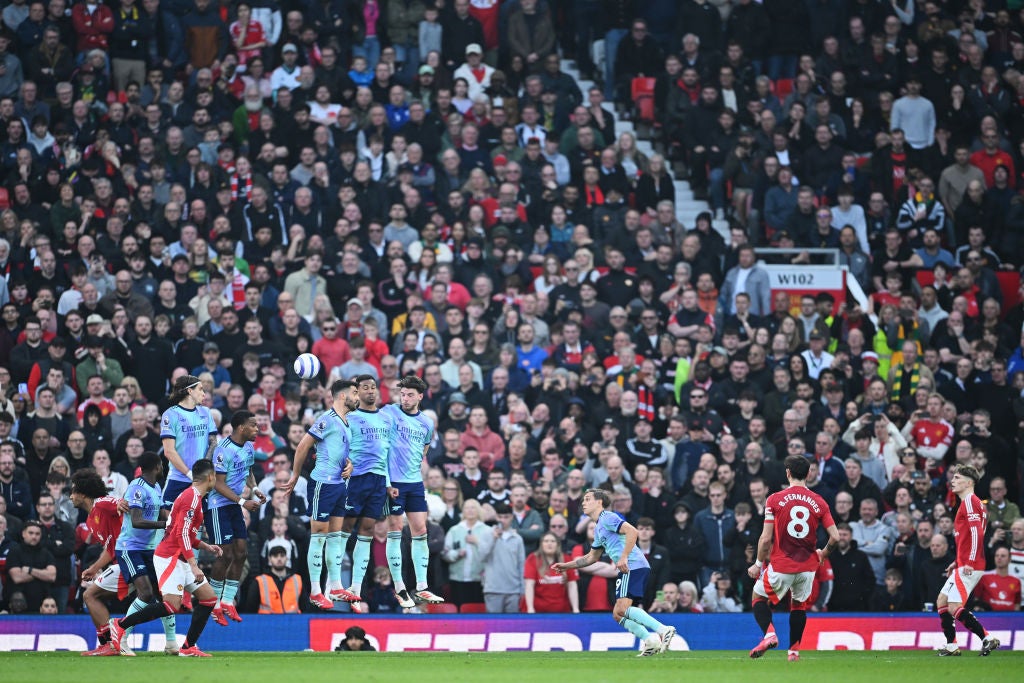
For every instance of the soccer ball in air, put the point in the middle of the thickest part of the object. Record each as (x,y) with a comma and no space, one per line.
(307,366)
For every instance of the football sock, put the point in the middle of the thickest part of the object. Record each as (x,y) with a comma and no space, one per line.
(150,612)
(635,628)
(336,542)
(137,606)
(170,629)
(315,562)
(394,552)
(644,619)
(967,618)
(948,626)
(420,560)
(360,561)
(763,615)
(218,587)
(200,614)
(230,592)
(103,634)
(797,622)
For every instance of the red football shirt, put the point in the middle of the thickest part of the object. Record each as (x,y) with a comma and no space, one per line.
(931,434)
(104,523)
(969,531)
(796,512)
(183,531)
(1002,593)
(550,593)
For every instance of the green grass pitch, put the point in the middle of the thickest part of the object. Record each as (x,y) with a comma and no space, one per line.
(515,667)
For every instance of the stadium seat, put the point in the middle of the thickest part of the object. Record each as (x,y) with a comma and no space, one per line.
(473,608)
(642,92)
(783,87)
(443,608)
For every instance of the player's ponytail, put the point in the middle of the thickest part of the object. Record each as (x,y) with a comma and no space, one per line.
(180,389)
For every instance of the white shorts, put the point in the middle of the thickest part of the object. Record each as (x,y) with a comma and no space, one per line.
(774,585)
(110,580)
(175,576)
(959,587)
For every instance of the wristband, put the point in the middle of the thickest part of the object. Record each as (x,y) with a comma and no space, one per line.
(758,563)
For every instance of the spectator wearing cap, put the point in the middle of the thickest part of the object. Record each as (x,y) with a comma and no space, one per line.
(95,364)
(56,356)
(475,71)
(211,364)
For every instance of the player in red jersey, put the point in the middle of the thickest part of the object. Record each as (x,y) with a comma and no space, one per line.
(968,568)
(176,566)
(103,519)
(932,436)
(788,545)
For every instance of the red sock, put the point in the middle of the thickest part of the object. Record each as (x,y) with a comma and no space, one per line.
(770,631)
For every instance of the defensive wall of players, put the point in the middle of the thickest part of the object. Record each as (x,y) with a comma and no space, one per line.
(494,633)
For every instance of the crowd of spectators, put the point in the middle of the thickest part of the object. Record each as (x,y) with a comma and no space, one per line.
(400,186)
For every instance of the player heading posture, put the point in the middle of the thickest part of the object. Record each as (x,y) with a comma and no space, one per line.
(410,440)
(369,446)
(788,546)
(330,434)
(177,567)
(103,519)
(965,573)
(225,526)
(188,433)
(618,538)
(138,539)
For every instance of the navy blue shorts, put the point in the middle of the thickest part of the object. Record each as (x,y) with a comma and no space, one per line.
(325,501)
(226,524)
(412,497)
(632,585)
(173,489)
(136,563)
(367,496)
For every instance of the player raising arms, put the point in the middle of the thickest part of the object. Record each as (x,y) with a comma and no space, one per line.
(965,573)
(103,519)
(176,565)
(788,546)
(410,440)
(225,526)
(329,433)
(618,538)
(366,501)
(188,433)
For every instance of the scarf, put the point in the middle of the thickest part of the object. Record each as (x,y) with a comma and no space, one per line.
(241,183)
(645,403)
(897,383)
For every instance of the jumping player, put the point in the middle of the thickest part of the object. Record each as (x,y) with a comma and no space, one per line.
(788,546)
(225,526)
(330,435)
(188,434)
(967,570)
(177,567)
(618,538)
(138,539)
(410,440)
(366,501)
(103,519)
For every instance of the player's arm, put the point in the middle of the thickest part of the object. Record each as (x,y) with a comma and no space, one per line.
(833,541)
(96,567)
(764,549)
(140,522)
(254,490)
(301,451)
(211,446)
(574,596)
(974,538)
(171,453)
(580,562)
(221,487)
(631,535)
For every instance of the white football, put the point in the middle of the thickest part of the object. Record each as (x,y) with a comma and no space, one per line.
(307,366)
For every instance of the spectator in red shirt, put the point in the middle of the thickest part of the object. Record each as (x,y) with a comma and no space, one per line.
(546,589)
(331,349)
(998,589)
(990,156)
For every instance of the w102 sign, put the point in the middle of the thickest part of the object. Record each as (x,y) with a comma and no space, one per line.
(800,280)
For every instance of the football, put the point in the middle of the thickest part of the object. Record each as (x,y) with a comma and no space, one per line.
(307,366)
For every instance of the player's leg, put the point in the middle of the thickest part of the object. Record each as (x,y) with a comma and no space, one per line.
(169,622)
(649,642)
(361,557)
(800,591)
(636,613)
(205,600)
(416,513)
(318,525)
(964,584)
(766,594)
(95,598)
(393,548)
(239,549)
(948,624)
(218,534)
(337,541)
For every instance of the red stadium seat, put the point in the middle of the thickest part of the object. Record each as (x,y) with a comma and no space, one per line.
(642,92)
(473,608)
(443,608)
(783,87)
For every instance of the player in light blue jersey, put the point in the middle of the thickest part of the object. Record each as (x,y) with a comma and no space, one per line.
(330,435)
(233,459)
(188,434)
(138,538)
(410,439)
(617,537)
(366,500)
